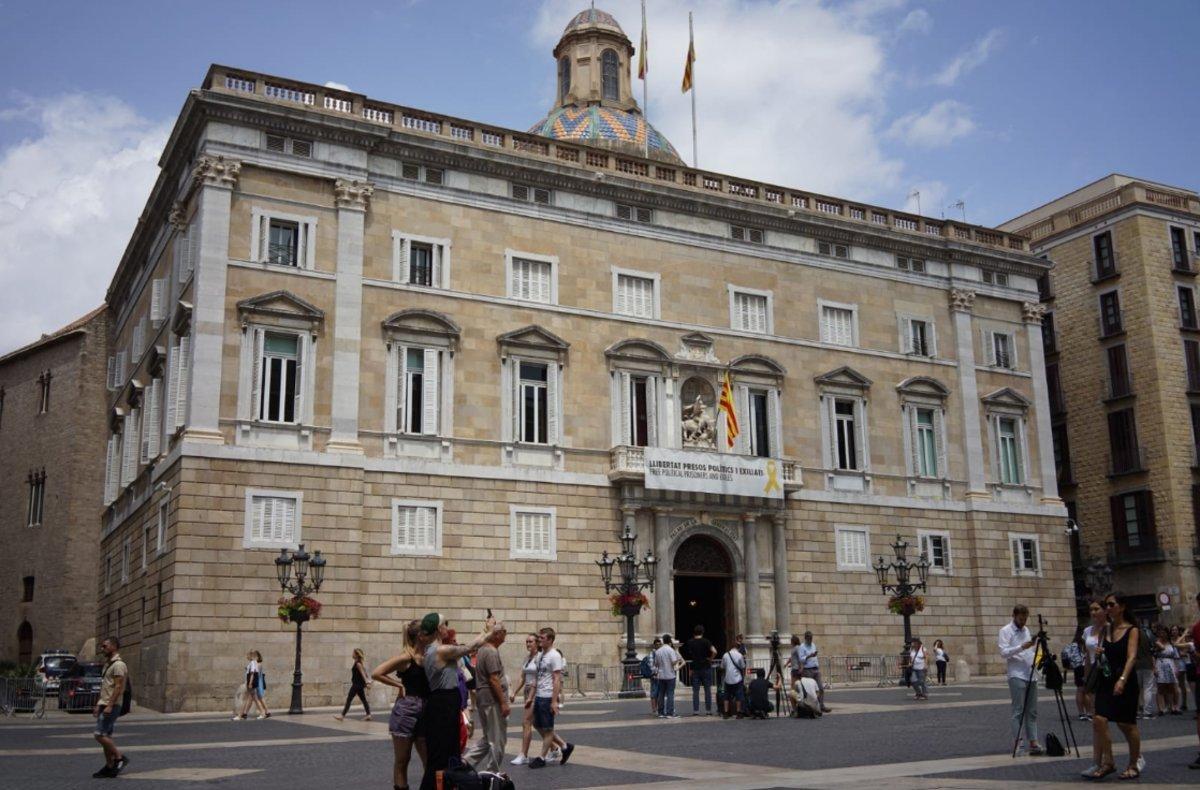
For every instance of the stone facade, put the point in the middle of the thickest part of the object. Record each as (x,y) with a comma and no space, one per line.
(1152,548)
(317,249)
(51,440)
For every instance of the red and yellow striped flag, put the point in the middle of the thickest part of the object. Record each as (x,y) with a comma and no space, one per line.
(687,66)
(726,405)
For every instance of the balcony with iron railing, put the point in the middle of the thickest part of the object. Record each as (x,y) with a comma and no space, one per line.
(628,462)
(1129,463)
(1189,266)
(327,100)
(1112,323)
(281,254)
(1135,551)
(1116,388)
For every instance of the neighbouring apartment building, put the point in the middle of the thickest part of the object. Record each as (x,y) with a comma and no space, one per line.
(460,360)
(1122,343)
(52,435)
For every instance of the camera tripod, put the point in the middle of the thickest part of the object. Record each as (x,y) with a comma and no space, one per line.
(781,697)
(1054,682)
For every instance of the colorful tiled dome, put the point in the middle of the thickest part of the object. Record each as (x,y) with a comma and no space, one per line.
(608,127)
(592,16)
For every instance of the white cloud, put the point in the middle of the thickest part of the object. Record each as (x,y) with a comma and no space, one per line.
(969,59)
(338,86)
(917,20)
(940,125)
(931,201)
(70,195)
(787,92)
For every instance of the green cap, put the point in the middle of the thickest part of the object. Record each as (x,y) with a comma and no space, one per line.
(430,623)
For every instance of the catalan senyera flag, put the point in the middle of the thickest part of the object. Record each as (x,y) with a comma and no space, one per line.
(687,66)
(643,63)
(726,405)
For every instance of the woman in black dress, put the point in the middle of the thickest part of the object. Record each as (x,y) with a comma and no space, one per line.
(358,686)
(1117,695)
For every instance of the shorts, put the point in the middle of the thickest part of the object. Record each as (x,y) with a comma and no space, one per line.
(407,719)
(106,721)
(654,688)
(1080,677)
(736,691)
(543,716)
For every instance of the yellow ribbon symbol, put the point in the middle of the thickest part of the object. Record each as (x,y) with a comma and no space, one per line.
(772,478)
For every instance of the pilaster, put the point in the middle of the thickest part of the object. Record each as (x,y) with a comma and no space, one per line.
(750,549)
(664,611)
(1031,314)
(351,198)
(779,566)
(215,177)
(962,302)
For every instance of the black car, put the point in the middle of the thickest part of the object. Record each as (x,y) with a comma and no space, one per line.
(79,689)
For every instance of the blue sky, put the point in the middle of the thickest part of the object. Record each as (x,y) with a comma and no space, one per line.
(1004,105)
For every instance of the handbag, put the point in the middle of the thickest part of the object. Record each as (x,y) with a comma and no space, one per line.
(1091,680)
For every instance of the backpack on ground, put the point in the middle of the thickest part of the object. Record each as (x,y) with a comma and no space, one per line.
(496,781)
(461,777)
(646,667)
(1054,747)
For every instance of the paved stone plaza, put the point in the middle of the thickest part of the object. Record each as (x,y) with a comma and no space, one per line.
(874,737)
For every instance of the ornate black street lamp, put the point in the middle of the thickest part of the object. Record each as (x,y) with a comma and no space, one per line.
(905,588)
(635,576)
(299,574)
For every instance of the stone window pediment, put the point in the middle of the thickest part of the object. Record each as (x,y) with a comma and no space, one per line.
(281,308)
(757,367)
(843,378)
(427,327)
(697,347)
(922,388)
(638,353)
(533,341)
(1006,400)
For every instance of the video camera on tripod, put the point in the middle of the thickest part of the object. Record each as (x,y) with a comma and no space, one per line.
(1045,661)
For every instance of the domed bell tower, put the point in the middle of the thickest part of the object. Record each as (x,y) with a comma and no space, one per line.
(593,59)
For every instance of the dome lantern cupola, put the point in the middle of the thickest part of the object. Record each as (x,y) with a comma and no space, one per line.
(594,101)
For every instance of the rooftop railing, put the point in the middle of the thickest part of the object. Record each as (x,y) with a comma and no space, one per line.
(323,99)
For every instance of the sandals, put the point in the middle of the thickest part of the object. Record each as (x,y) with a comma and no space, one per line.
(1131,773)
(1100,772)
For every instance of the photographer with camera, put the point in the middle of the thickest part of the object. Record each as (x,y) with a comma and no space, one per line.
(804,663)
(1016,648)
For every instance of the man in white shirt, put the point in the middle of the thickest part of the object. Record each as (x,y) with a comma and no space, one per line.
(667,663)
(804,661)
(1016,648)
(733,671)
(804,698)
(548,691)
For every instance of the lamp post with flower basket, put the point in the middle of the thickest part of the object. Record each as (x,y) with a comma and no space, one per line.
(628,600)
(904,600)
(299,575)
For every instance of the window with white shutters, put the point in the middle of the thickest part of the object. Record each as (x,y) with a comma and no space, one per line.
(635,296)
(418,390)
(750,312)
(419,260)
(160,537)
(158,301)
(532,533)
(278,377)
(129,449)
(638,409)
(917,337)
(852,549)
(272,519)
(183,367)
(531,280)
(416,527)
(283,239)
(1026,555)
(152,411)
(837,325)
(138,342)
(112,372)
(936,548)
(187,255)
(112,471)
(122,372)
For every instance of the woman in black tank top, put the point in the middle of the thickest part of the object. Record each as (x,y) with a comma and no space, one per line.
(405,673)
(358,686)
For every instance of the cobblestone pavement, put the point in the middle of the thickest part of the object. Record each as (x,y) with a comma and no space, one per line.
(874,737)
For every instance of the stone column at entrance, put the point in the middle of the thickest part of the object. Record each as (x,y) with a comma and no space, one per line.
(750,549)
(783,609)
(351,198)
(962,302)
(663,607)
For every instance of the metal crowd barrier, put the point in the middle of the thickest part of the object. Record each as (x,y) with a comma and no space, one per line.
(594,679)
(24,695)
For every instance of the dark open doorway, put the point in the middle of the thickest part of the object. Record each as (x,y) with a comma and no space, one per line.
(703,591)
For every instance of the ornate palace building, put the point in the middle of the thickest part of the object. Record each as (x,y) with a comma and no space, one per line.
(1122,343)
(461,359)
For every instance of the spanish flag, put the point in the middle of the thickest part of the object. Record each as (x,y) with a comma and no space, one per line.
(726,405)
(691,58)
(643,63)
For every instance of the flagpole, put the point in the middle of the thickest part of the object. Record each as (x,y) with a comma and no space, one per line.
(691,46)
(645,75)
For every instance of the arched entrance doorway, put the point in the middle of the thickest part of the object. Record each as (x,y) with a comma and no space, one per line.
(703,588)
(25,644)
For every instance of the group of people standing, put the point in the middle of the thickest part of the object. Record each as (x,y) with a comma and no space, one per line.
(431,716)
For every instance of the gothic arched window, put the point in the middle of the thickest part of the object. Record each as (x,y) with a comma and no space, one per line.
(564,76)
(608,71)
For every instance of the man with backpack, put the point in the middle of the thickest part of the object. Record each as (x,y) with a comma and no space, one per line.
(114,692)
